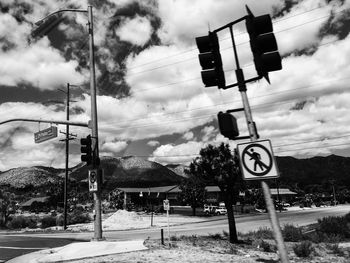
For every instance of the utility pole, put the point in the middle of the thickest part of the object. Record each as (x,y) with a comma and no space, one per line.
(67,139)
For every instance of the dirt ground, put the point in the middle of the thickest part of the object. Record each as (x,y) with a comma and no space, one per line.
(216,249)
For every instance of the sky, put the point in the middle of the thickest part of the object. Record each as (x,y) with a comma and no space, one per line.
(151,101)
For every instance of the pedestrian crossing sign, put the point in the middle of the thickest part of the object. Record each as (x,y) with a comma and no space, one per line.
(257,161)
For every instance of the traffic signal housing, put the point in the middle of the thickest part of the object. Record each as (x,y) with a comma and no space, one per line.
(263,44)
(210,61)
(45,26)
(86,150)
(228,125)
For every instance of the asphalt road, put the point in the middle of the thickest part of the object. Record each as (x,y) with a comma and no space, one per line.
(14,244)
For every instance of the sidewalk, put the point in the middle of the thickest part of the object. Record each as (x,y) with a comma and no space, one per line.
(80,250)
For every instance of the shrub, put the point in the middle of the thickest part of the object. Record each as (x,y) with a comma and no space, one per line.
(333,225)
(292,233)
(303,249)
(266,246)
(216,236)
(78,217)
(261,233)
(17,222)
(174,238)
(335,249)
(48,221)
(347,217)
(225,233)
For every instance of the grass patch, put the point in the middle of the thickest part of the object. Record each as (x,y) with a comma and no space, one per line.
(261,233)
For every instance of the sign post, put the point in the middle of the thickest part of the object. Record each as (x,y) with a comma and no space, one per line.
(166,206)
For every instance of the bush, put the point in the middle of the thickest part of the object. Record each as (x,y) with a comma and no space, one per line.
(303,249)
(347,217)
(78,217)
(19,222)
(266,246)
(261,233)
(216,236)
(335,249)
(174,238)
(334,225)
(292,233)
(48,221)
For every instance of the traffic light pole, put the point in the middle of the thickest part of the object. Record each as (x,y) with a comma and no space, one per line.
(94,128)
(253,137)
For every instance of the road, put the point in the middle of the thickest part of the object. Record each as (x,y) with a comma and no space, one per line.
(13,245)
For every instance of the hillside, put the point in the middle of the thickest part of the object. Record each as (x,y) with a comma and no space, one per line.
(36,176)
(178,169)
(303,174)
(131,172)
(314,171)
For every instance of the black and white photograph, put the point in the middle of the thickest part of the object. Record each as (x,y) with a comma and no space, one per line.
(174,131)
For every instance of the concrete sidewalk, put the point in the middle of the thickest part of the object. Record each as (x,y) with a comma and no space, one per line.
(80,250)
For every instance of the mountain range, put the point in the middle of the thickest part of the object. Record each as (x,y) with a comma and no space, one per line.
(303,174)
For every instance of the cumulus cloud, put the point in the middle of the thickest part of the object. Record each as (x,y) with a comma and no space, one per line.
(167,97)
(188,136)
(153,143)
(136,31)
(114,147)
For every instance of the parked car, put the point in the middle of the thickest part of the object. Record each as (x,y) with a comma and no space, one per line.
(215,210)
(209,209)
(220,210)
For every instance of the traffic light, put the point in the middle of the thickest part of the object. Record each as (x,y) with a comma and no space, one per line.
(263,44)
(228,125)
(210,61)
(45,26)
(86,149)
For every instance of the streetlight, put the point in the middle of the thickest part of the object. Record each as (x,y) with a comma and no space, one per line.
(49,21)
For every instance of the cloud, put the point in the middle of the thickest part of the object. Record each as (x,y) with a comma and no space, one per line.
(114,147)
(137,31)
(153,143)
(188,136)
(182,153)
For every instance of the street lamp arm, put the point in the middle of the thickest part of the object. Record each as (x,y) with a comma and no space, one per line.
(81,124)
(38,23)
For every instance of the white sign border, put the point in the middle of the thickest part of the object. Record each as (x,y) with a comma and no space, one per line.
(244,171)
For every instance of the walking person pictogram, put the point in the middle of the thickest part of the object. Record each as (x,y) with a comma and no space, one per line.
(257,159)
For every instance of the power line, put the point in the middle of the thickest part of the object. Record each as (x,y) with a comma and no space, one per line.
(241,33)
(227,48)
(230,102)
(307,148)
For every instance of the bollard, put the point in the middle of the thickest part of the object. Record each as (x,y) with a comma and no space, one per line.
(162,236)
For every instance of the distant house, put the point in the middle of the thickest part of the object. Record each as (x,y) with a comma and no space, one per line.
(284,193)
(34,203)
(156,195)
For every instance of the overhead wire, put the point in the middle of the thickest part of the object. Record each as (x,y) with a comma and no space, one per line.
(230,47)
(193,49)
(230,102)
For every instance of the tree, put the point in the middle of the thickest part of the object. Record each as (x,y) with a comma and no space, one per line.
(218,166)
(192,189)
(7,206)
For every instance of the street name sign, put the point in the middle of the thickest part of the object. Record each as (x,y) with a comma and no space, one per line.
(45,135)
(257,161)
